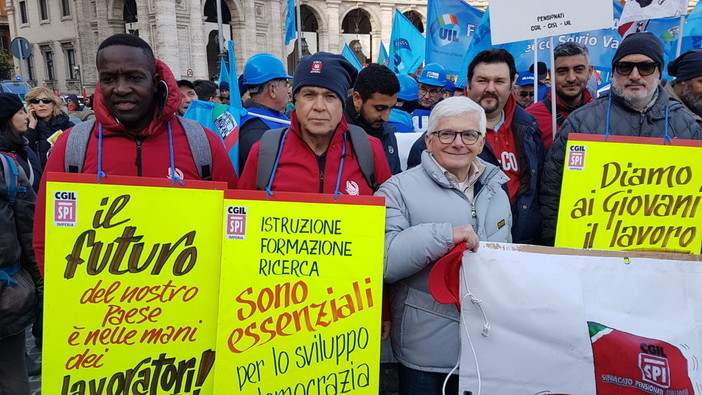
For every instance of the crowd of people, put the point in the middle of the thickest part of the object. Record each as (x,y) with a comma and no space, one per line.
(486,165)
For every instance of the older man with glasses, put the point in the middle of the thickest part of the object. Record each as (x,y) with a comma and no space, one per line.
(636,106)
(452,199)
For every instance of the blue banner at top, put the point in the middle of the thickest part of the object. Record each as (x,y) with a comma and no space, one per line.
(450,27)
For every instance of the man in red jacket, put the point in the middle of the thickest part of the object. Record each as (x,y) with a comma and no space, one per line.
(316,154)
(136,132)
(571,72)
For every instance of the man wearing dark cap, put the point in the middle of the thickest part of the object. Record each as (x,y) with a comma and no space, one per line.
(224,92)
(687,86)
(636,106)
(542,75)
(316,154)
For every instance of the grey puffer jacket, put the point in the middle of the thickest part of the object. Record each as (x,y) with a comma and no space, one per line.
(624,121)
(423,206)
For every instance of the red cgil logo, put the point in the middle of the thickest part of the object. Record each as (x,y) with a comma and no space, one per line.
(316,67)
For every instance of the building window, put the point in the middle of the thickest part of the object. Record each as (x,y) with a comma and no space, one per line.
(23,12)
(71,63)
(43,10)
(65,7)
(49,59)
(30,68)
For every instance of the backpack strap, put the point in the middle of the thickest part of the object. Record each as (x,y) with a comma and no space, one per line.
(559,116)
(364,154)
(12,173)
(76,146)
(267,154)
(199,146)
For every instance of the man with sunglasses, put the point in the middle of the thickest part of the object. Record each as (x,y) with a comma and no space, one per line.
(524,89)
(572,71)
(636,106)
(453,198)
(266,80)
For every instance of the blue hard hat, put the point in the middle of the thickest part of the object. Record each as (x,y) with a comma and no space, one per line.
(450,86)
(433,74)
(408,88)
(262,68)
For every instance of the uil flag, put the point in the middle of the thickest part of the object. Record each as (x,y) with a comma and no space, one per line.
(382,55)
(223,72)
(450,28)
(351,57)
(407,45)
(290,23)
(637,10)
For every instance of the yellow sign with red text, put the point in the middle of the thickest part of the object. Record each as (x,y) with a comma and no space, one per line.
(631,194)
(132,282)
(300,294)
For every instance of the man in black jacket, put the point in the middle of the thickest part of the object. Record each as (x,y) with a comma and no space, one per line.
(374,95)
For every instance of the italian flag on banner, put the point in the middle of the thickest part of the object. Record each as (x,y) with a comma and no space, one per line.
(447,19)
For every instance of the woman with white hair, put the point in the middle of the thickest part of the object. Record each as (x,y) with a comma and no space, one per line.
(453,197)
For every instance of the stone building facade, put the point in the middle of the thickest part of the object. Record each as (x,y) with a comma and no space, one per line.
(65,34)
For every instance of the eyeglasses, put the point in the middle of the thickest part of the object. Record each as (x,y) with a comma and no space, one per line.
(432,92)
(448,136)
(45,101)
(526,94)
(644,68)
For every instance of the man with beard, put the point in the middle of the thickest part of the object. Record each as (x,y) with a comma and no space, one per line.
(513,141)
(636,106)
(572,71)
(687,86)
(374,95)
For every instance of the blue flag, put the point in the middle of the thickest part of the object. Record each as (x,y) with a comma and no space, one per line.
(482,40)
(407,45)
(223,72)
(451,24)
(290,23)
(351,57)
(382,55)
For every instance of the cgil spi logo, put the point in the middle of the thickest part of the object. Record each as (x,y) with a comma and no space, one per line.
(66,208)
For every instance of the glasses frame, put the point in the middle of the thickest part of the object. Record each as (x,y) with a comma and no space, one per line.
(44,100)
(637,65)
(471,135)
(431,93)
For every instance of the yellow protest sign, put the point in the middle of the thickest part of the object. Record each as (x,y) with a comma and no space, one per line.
(631,194)
(300,294)
(131,286)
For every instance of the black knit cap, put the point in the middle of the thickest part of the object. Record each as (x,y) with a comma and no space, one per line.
(9,105)
(645,43)
(325,70)
(687,66)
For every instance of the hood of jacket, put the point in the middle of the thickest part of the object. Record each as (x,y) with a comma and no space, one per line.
(160,116)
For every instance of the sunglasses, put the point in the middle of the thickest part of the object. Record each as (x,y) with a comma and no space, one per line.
(526,94)
(45,101)
(644,68)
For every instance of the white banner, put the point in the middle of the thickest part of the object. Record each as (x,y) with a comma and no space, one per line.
(518,20)
(564,321)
